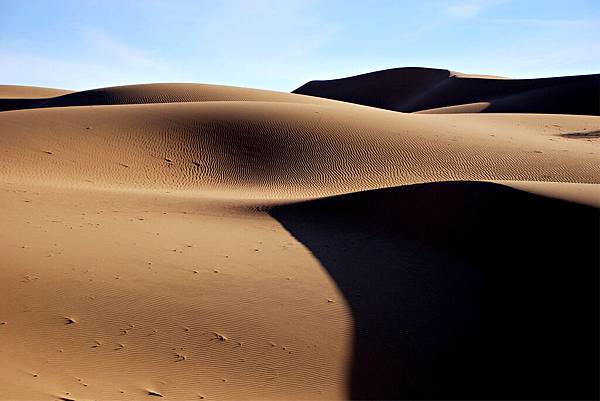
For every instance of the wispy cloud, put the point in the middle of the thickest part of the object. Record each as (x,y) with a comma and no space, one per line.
(580,23)
(450,13)
(242,42)
(279,44)
(119,52)
(466,9)
(102,60)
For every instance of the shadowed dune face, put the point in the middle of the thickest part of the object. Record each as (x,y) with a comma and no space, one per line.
(462,289)
(420,89)
(13,97)
(387,89)
(582,134)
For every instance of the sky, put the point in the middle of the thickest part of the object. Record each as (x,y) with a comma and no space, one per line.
(281,44)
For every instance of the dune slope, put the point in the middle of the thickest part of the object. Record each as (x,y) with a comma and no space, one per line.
(281,149)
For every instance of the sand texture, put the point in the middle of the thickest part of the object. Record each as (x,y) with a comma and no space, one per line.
(191,241)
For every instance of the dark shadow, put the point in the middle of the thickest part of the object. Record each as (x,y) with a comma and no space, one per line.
(462,290)
(413,89)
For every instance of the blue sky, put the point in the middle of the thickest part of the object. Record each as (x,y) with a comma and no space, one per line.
(279,44)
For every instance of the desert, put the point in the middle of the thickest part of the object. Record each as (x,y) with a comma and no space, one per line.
(190,241)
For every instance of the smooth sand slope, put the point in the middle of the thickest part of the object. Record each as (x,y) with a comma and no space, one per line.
(144,94)
(185,241)
(29,92)
(442,91)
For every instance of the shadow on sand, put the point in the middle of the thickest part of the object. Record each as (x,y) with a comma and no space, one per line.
(462,290)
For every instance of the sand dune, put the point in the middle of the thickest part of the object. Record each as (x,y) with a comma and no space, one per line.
(418,89)
(280,149)
(156,93)
(29,92)
(14,97)
(187,241)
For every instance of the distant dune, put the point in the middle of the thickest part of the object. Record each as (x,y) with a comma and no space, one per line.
(443,91)
(8,92)
(191,241)
(146,94)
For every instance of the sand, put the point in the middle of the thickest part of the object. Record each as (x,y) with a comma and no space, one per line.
(189,241)
(418,89)
(29,92)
